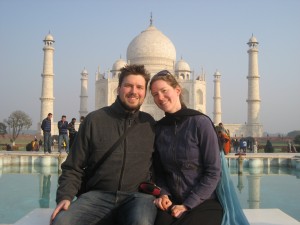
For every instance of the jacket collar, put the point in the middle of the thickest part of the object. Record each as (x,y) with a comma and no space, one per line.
(119,109)
(179,116)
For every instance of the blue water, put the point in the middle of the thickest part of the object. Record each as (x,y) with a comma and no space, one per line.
(23,190)
(269,188)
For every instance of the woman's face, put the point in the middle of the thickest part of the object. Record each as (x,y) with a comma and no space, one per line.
(165,96)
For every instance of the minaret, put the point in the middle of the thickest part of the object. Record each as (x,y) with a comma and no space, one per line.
(47,99)
(253,124)
(84,94)
(217,98)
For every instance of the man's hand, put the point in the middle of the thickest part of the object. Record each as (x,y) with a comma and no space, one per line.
(63,205)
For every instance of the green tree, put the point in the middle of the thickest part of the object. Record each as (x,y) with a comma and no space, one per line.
(269,147)
(297,140)
(2,129)
(16,122)
(294,133)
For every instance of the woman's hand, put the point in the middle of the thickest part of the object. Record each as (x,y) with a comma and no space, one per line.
(178,210)
(163,202)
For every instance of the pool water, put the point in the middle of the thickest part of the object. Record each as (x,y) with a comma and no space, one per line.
(23,190)
(269,188)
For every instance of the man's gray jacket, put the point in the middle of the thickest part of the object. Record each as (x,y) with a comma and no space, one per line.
(125,168)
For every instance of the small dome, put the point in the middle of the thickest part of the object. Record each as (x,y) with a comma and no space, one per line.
(217,73)
(182,65)
(253,40)
(49,37)
(84,71)
(119,64)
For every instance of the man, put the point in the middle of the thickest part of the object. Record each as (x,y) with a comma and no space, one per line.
(72,131)
(46,127)
(113,196)
(63,134)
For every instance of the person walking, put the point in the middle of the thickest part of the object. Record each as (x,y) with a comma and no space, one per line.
(63,134)
(46,127)
(112,195)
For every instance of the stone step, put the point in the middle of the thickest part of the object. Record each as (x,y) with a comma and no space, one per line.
(255,217)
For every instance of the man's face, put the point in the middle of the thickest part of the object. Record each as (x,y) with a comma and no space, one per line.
(132,91)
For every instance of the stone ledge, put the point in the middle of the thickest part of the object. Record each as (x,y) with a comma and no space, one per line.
(269,217)
(255,217)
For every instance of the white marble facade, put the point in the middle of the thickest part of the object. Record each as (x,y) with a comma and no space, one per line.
(157,52)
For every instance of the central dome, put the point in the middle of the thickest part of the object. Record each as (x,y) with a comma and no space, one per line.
(151,47)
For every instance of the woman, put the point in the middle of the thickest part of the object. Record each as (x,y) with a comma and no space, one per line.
(187,161)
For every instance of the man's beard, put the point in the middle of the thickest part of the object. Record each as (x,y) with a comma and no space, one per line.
(129,107)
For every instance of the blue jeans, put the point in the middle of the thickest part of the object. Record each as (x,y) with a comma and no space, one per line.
(109,208)
(47,142)
(61,138)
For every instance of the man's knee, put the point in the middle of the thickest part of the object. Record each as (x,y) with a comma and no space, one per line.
(60,219)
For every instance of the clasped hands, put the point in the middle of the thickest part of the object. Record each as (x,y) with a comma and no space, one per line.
(165,204)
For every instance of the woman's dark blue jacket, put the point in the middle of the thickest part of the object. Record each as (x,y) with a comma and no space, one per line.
(187,157)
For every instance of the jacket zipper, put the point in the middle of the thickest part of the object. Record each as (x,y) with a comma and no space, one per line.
(174,156)
(124,155)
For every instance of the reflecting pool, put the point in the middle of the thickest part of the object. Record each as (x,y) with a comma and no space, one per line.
(24,189)
(274,187)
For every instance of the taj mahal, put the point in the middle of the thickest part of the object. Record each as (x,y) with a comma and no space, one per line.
(157,52)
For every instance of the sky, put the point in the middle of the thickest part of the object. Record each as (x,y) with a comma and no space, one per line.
(212,35)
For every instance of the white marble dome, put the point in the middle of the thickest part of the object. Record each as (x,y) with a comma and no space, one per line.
(120,63)
(182,65)
(151,46)
(217,73)
(253,39)
(84,71)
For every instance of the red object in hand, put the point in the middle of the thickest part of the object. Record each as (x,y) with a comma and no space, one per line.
(149,188)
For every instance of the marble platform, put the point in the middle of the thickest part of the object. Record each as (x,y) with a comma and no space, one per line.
(255,217)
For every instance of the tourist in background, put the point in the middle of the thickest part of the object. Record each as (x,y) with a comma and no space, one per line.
(63,134)
(224,138)
(81,121)
(243,145)
(72,132)
(236,145)
(46,127)
(112,196)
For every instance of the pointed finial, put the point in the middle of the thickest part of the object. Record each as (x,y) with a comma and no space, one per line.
(120,56)
(151,20)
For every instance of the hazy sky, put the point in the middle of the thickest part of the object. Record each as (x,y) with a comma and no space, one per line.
(207,34)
